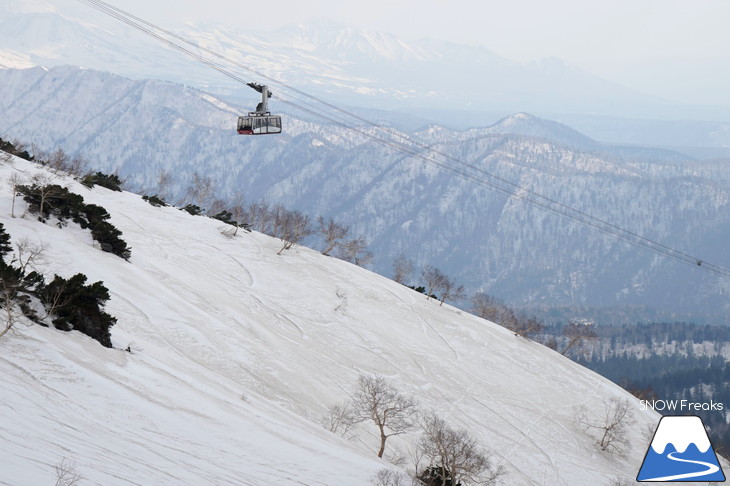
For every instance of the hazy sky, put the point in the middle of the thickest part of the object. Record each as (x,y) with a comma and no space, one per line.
(676,48)
(576,30)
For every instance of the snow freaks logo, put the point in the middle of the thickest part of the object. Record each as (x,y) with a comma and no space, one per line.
(682,406)
(680,451)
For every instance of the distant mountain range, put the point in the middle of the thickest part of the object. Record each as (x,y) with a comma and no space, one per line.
(344,64)
(485,239)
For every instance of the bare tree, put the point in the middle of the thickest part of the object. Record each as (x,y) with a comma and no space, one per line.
(260,216)
(577,334)
(527,326)
(66,473)
(292,227)
(28,254)
(164,182)
(200,191)
(402,270)
(15,181)
(609,429)
(78,166)
(333,233)
(450,456)
(433,279)
(8,292)
(355,251)
(57,161)
(378,401)
(340,419)
(449,290)
(42,188)
(490,308)
(389,477)
(238,212)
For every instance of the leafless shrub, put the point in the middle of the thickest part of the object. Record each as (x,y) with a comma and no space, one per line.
(57,161)
(216,206)
(432,279)
(28,254)
(451,291)
(610,428)
(577,334)
(260,217)
(164,183)
(66,473)
(14,181)
(41,185)
(333,233)
(389,477)
(355,251)
(402,270)
(291,227)
(339,419)
(492,309)
(200,191)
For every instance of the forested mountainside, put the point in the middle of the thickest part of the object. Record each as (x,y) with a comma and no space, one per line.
(487,240)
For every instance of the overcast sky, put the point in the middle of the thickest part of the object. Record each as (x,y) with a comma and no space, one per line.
(679,49)
(648,44)
(577,30)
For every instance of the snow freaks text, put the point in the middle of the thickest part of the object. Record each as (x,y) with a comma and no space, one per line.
(680,405)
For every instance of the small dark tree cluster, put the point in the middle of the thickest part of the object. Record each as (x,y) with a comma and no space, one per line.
(110,181)
(15,148)
(77,306)
(492,309)
(16,286)
(52,199)
(155,200)
(69,303)
(192,209)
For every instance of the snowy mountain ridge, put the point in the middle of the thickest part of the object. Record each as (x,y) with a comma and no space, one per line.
(485,239)
(341,63)
(236,352)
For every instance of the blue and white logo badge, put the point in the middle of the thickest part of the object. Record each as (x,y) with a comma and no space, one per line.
(680,451)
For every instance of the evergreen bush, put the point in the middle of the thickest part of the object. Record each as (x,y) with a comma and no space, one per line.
(110,181)
(77,306)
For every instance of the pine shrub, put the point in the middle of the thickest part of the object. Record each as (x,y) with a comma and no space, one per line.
(77,306)
(110,181)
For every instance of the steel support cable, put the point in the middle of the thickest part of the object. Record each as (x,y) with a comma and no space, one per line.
(413,148)
(403,139)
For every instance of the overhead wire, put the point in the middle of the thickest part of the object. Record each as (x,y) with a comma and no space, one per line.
(399,141)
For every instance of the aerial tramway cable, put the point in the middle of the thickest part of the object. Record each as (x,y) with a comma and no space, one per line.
(398,141)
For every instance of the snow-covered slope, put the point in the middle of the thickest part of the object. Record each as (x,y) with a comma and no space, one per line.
(237,352)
